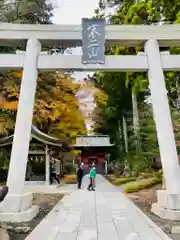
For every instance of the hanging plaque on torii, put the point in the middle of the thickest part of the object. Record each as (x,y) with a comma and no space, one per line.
(93,41)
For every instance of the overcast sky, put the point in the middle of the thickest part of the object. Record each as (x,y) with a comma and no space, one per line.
(72,11)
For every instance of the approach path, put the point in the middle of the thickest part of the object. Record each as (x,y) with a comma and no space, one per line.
(101,215)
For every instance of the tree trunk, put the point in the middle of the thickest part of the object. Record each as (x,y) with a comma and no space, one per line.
(119,138)
(178,88)
(125,134)
(136,124)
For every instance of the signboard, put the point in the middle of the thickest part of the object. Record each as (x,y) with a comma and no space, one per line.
(93,39)
(92,141)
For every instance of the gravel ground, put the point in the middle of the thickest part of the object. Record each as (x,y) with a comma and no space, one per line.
(144,200)
(45,202)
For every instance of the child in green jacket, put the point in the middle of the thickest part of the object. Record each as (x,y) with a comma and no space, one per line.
(92,176)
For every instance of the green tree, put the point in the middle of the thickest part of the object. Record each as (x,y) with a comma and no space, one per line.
(26,11)
(142,12)
(118,104)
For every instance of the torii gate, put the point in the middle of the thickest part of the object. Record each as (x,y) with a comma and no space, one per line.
(17,206)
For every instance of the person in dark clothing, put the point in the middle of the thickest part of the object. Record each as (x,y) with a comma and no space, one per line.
(80,174)
(53,174)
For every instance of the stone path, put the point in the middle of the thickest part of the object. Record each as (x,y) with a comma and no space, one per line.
(102,215)
(65,188)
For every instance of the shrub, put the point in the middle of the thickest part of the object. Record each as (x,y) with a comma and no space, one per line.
(111,178)
(146,175)
(138,163)
(110,169)
(69,168)
(117,173)
(142,184)
(119,181)
(3,175)
(158,174)
(71,179)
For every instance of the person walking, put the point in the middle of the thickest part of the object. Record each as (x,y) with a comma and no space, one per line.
(53,174)
(80,174)
(92,177)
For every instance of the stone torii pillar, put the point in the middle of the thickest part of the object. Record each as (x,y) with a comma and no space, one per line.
(168,201)
(17,206)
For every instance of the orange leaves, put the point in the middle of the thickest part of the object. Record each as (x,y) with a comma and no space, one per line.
(19,74)
(64,117)
(65,84)
(9,105)
(16,74)
(9,95)
(56,109)
(41,112)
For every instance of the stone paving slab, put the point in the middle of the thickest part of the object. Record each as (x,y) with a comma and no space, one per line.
(101,215)
(64,188)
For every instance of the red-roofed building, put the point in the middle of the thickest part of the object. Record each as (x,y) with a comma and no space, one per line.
(94,148)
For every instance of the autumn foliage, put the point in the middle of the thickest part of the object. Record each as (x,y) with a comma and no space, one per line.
(56,109)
